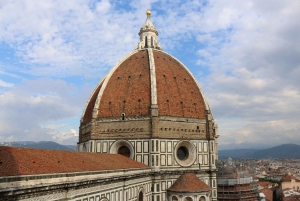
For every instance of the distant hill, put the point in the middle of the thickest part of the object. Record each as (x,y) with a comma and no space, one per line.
(40,145)
(72,147)
(236,153)
(281,151)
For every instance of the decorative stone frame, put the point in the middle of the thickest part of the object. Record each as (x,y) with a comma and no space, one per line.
(191,153)
(139,191)
(119,143)
(188,198)
(202,197)
(173,197)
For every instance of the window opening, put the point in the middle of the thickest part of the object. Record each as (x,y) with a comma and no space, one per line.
(202,198)
(151,41)
(188,199)
(174,198)
(124,150)
(182,153)
(141,196)
(146,42)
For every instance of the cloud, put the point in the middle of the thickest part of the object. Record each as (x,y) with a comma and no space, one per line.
(61,133)
(56,38)
(261,135)
(5,84)
(27,107)
(255,75)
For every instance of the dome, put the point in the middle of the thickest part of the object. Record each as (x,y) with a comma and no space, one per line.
(189,182)
(129,89)
(147,94)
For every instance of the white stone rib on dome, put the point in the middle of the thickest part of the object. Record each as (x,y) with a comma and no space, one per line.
(152,77)
(97,103)
(94,91)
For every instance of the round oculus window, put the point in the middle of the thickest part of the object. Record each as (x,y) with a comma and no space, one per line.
(185,153)
(182,153)
(124,150)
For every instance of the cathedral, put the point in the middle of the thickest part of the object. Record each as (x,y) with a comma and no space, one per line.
(146,134)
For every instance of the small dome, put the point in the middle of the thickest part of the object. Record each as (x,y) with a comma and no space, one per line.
(189,182)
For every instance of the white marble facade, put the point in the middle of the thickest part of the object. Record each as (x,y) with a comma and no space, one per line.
(161,155)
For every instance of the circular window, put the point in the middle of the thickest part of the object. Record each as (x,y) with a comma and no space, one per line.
(125,151)
(122,147)
(185,153)
(182,153)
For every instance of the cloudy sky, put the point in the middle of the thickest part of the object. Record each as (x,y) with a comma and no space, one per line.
(245,54)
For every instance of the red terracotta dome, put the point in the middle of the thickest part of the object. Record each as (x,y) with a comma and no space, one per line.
(147,78)
(126,89)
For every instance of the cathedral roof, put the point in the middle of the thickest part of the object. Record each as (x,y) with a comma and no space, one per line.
(189,182)
(24,161)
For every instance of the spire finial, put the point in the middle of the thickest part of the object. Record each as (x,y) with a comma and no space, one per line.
(148,12)
(148,35)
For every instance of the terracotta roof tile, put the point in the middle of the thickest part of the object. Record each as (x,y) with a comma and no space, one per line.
(128,89)
(87,117)
(288,177)
(264,183)
(25,161)
(268,193)
(189,182)
(177,92)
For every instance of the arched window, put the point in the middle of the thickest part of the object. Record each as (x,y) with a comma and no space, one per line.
(202,198)
(188,199)
(152,42)
(141,196)
(84,148)
(124,150)
(146,42)
(174,198)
